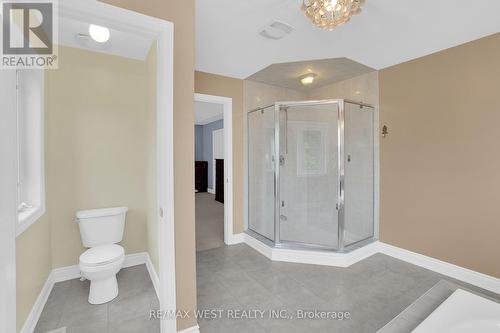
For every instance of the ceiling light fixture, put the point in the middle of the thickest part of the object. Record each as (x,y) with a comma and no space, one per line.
(307,79)
(327,14)
(98,33)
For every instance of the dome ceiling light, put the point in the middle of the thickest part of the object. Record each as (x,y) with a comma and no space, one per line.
(98,33)
(307,79)
(328,14)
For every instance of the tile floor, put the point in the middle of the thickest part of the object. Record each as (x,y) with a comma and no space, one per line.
(209,222)
(68,307)
(374,291)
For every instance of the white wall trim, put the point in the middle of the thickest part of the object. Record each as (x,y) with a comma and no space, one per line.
(193,329)
(310,256)
(347,259)
(36,310)
(457,272)
(227,103)
(211,190)
(73,272)
(237,239)
(155,279)
(8,201)
(214,134)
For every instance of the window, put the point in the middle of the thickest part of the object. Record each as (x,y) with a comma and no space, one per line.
(311,149)
(30,146)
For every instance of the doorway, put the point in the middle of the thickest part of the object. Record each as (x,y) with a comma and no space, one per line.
(213,171)
(117,19)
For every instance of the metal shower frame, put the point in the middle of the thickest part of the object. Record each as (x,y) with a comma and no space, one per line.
(340,204)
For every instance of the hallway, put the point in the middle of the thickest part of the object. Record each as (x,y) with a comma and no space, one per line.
(209,222)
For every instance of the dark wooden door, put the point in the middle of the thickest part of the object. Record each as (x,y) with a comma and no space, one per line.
(219,180)
(201,175)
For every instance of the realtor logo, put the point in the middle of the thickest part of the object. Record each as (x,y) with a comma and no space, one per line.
(29,31)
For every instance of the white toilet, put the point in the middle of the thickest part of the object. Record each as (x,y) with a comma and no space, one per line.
(100,230)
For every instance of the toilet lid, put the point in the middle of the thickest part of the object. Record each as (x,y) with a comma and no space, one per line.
(102,254)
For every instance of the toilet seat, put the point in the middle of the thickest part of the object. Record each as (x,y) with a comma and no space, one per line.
(102,255)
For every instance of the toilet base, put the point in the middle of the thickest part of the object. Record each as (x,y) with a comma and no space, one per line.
(103,291)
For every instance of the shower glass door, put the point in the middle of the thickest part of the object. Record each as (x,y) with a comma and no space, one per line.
(261,172)
(306,210)
(358,173)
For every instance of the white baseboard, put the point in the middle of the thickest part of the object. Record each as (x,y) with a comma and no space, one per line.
(66,273)
(155,279)
(194,329)
(258,246)
(135,259)
(236,239)
(36,310)
(457,272)
(211,190)
(347,259)
(73,272)
(324,258)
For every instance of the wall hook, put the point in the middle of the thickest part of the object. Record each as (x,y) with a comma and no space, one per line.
(385,131)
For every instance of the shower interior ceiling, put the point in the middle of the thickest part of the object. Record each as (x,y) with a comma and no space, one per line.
(328,71)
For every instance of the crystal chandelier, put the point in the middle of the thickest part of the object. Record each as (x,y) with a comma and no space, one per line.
(327,14)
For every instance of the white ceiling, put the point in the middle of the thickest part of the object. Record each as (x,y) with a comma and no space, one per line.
(207,112)
(124,44)
(386,33)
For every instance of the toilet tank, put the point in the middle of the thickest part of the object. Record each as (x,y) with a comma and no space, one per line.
(101,226)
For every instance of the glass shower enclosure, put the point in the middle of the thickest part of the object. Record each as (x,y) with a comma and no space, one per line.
(311,174)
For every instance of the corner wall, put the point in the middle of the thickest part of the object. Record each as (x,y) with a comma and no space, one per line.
(181,14)
(440,163)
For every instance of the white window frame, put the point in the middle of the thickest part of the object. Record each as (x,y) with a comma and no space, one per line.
(35,129)
(302,127)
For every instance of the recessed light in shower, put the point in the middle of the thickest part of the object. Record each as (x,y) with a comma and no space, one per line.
(307,79)
(98,33)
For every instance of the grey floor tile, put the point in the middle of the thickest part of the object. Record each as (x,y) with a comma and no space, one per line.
(68,306)
(97,314)
(99,327)
(374,290)
(135,325)
(136,306)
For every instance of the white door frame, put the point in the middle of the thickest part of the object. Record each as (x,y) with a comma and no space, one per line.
(213,155)
(227,103)
(8,200)
(128,21)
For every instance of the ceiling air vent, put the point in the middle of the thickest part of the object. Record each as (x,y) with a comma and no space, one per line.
(276,30)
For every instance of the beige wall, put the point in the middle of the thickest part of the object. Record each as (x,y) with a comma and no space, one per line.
(217,85)
(96,146)
(33,265)
(440,179)
(181,13)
